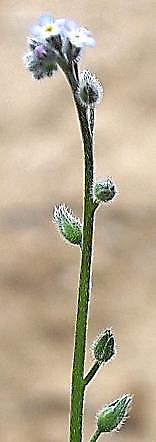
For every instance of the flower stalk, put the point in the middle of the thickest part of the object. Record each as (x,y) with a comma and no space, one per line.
(91,373)
(95,436)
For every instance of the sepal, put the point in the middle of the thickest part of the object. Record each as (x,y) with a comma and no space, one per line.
(104,347)
(113,415)
(104,190)
(90,90)
(68,225)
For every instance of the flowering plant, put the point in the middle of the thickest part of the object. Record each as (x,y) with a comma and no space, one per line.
(57,44)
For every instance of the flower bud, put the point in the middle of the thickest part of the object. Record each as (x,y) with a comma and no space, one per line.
(68,225)
(90,90)
(104,190)
(39,63)
(104,346)
(112,416)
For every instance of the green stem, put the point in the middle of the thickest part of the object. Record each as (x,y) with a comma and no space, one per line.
(95,436)
(78,384)
(91,373)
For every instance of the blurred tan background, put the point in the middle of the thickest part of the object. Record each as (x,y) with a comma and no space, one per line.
(41,165)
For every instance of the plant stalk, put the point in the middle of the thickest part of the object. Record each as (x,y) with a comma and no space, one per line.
(78,384)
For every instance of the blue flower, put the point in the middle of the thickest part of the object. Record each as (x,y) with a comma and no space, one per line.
(48,26)
(53,42)
(77,35)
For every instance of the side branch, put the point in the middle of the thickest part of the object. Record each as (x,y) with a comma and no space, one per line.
(91,373)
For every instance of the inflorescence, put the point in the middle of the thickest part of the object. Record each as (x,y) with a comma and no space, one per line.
(52,41)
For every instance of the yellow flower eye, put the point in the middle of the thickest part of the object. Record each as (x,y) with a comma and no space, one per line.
(48,28)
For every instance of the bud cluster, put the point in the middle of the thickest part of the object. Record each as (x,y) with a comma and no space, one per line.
(40,61)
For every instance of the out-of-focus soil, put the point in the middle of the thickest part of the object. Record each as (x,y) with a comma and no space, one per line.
(41,165)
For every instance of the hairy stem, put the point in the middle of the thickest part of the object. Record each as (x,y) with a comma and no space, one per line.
(78,384)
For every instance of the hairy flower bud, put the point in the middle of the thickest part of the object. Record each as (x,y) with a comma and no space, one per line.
(104,190)
(68,225)
(40,62)
(112,416)
(90,90)
(104,346)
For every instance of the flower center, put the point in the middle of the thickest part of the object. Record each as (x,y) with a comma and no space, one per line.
(49,28)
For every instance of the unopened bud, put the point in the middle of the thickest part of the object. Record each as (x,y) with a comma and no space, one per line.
(112,416)
(68,225)
(104,190)
(104,347)
(39,60)
(90,91)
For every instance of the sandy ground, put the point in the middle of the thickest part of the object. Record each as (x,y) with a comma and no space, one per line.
(41,165)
